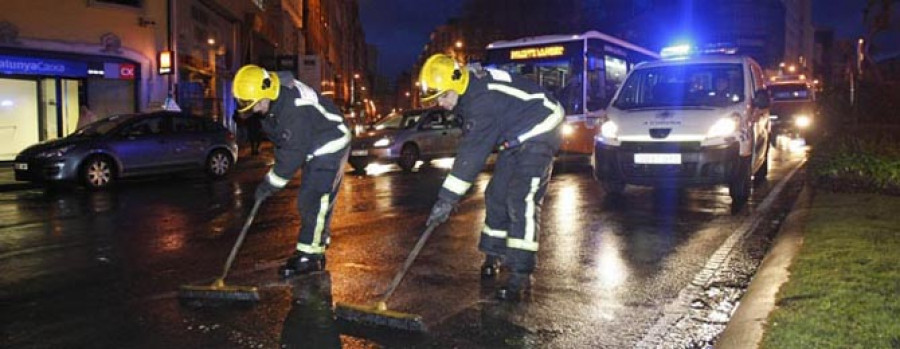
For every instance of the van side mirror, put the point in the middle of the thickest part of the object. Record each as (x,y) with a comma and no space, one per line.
(761,99)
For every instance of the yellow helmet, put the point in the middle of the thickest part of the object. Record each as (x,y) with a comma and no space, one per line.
(251,84)
(442,73)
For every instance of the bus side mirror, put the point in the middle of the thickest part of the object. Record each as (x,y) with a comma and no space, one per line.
(761,99)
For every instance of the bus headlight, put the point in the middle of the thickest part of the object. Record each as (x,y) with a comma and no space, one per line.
(609,130)
(723,127)
(802,121)
(567,130)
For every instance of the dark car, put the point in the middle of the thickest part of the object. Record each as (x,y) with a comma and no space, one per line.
(793,110)
(119,146)
(406,138)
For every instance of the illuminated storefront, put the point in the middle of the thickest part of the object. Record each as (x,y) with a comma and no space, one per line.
(41,94)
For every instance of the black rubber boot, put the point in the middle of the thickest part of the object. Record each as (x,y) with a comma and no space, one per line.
(491,267)
(301,263)
(515,288)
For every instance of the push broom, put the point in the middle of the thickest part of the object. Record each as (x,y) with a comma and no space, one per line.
(218,290)
(378,314)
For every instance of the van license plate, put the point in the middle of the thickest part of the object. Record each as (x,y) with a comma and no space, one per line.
(658,159)
(22,166)
(361,152)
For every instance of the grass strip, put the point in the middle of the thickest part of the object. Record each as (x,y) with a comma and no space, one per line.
(844,287)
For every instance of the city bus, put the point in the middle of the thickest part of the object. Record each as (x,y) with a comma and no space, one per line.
(583,72)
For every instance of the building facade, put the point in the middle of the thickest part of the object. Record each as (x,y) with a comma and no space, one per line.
(57,56)
(104,55)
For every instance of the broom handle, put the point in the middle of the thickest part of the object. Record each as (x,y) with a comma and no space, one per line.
(409,261)
(240,240)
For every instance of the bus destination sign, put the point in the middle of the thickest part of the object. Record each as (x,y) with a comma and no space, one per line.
(537,52)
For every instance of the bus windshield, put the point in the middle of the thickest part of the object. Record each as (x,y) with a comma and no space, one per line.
(689,85)
(558,77)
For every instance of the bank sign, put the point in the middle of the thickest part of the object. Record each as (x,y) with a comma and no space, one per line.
(41,66)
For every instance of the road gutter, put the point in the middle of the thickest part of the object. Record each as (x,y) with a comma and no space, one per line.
(679,308)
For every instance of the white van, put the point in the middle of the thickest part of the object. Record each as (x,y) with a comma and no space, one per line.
(700,120)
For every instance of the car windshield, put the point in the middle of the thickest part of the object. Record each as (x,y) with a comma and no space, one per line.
(103,126)
(790,92)
(400,121)
(687,85)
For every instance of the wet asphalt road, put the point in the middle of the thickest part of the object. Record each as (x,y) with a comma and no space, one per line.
(82,269)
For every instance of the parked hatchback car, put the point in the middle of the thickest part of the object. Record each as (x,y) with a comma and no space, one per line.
(120,146)
(406,138)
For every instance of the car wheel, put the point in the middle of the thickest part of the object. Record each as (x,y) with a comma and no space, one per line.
(740,185)
(613,187)
(358,164)
(409,155)
(98,172)
(218,164)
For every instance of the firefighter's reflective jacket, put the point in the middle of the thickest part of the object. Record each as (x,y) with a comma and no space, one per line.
(303,126)
(500,111)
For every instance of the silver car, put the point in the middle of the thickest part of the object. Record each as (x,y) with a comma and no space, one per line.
(407,138)
(121,146)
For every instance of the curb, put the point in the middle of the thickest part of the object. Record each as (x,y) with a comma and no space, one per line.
(747,325)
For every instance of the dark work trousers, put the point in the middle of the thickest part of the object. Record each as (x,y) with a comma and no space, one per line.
(513,199)
(319,184)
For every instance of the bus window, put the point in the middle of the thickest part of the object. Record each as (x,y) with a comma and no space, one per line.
(561,78)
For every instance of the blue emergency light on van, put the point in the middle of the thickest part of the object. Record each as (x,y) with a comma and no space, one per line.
(686,50)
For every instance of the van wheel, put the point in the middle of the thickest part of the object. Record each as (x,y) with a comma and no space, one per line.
(218,164)
(740,185)
(409,156)
(98,172)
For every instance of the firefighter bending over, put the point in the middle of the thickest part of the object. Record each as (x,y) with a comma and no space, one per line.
(522,120)
(308,131)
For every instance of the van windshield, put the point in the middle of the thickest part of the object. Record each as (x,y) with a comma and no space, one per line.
(688,85)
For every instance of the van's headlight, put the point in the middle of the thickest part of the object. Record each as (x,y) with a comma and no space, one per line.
(723,127)
(609,130)
(802,121)
(386,141)
(567,130)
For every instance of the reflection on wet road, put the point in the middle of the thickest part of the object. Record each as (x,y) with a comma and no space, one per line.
(101,269)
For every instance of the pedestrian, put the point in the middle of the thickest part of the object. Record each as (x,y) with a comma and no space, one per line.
(521,120)
(85,116)
(254,133)
(309,133)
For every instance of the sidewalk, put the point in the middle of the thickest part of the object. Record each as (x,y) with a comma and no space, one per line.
(245,161)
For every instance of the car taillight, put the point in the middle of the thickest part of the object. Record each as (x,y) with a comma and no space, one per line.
(229,136)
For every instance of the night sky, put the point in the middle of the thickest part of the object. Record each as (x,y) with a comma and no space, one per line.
(400,28)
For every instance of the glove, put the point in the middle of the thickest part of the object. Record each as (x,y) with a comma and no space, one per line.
(440,212)
(264,190)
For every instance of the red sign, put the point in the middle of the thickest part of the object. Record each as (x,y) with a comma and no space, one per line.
(126,71)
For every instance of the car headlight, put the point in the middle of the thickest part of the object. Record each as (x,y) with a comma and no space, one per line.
(802,121)
(567,130)
(609,130)
(723,127)
(55,153)
(386,141)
